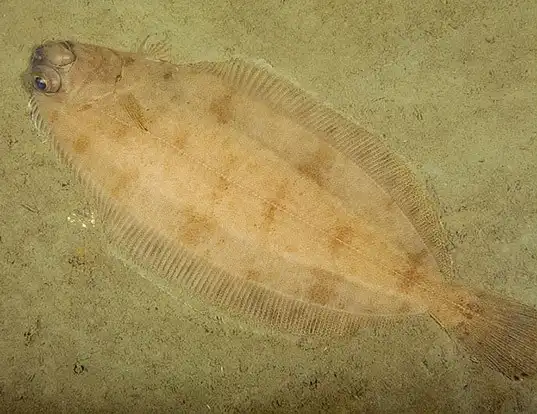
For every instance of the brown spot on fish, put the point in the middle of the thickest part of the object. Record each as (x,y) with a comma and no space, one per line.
(229,162)
(269,213)
(168,75)
(317,166)
(180,139)
(272,205)
(414,274)
(197,227)
(253,275)
(176,98)
(222,108)
(223,184)
(123,182)
(81,144)
(341,236)
(118,133)
(323,288)
(391,205)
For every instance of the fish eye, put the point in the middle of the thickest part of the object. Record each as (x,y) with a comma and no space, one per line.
(46,79)
(40,83)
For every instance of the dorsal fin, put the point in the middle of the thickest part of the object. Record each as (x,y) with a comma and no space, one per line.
(156,47)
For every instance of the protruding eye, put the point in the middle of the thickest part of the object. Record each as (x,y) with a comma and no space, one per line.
(46,79)
(59,53)
(40,83)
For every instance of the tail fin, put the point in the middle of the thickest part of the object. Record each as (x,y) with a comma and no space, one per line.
(500,332)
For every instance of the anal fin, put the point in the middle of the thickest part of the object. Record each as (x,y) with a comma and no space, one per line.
(172,266)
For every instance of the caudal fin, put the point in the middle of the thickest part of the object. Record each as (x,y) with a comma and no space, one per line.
(500,332)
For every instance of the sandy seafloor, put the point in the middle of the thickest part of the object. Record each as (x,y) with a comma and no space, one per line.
(450,85)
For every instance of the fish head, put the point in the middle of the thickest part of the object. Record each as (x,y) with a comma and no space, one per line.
(64,71)
(63,75)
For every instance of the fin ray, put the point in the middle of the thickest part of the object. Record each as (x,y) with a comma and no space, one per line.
(156,47)
(500,332)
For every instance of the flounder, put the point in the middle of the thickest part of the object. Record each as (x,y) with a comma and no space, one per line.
(234,184)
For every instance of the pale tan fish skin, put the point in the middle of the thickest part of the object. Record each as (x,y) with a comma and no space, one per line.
(230,182)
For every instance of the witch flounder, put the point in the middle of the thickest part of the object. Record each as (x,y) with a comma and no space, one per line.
(228,181)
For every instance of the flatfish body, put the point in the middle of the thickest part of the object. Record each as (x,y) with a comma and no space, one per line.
(228,181)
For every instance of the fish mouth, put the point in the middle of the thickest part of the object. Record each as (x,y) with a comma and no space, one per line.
(48,62)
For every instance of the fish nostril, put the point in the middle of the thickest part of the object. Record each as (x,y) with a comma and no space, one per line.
(39,54)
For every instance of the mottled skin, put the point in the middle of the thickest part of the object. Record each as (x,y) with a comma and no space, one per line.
(268,193)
